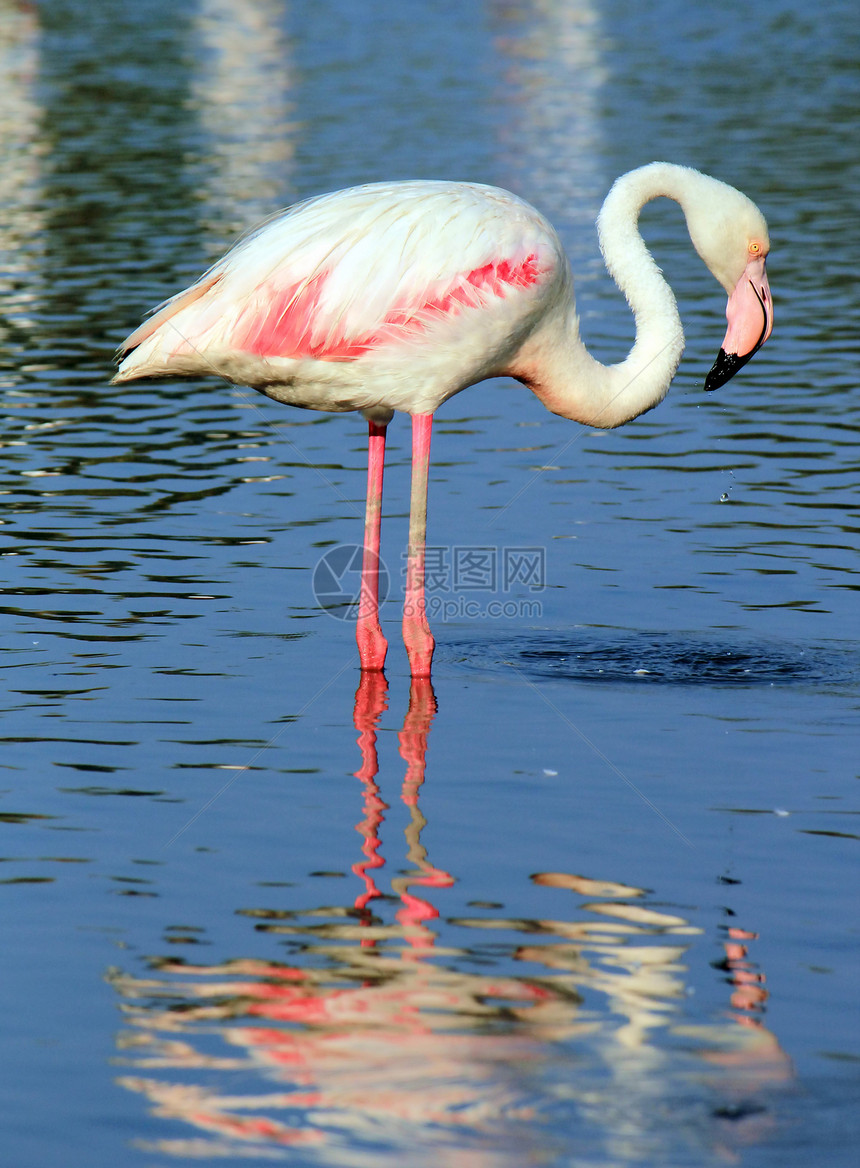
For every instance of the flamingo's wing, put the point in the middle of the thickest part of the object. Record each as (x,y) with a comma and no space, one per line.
(166,311)
(362,269)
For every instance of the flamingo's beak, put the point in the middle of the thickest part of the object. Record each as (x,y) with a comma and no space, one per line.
(750,316)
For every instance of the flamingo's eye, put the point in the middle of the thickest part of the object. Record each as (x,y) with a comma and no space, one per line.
(755,248)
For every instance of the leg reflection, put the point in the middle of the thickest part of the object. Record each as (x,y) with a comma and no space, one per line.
(413,749)
(370,704)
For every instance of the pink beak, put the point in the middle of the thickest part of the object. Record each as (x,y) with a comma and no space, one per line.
(750,316)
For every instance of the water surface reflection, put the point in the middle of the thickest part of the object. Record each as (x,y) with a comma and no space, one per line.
(375,1038)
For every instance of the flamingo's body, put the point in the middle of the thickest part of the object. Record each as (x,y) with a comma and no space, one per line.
(397,296)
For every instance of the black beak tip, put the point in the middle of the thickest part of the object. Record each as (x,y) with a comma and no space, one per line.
(724,369)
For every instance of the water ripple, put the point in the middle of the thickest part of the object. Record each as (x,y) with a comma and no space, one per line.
(654,658)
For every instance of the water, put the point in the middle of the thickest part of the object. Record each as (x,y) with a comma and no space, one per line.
(590,899)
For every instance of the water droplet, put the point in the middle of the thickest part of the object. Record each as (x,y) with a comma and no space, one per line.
(724,498)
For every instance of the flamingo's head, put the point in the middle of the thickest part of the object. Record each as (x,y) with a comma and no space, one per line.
(730,234)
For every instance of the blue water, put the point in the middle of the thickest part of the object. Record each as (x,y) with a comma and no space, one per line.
(590,898)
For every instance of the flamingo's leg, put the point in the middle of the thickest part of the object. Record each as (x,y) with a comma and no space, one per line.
(416,631)
(372,645)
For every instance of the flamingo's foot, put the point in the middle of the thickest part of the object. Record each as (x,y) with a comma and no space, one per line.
(372,645)
(419,646)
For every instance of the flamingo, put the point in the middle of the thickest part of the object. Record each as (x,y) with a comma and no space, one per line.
(396,296)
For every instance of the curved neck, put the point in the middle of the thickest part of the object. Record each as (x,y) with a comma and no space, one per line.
(572,383)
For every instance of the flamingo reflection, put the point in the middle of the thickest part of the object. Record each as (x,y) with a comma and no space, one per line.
(385,1040)
(242,93)
(23,150)
(761,1058)
(370,704)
